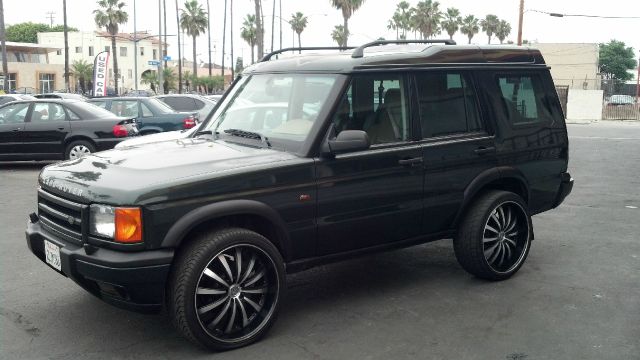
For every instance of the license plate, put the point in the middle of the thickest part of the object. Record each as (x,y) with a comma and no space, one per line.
(52,255)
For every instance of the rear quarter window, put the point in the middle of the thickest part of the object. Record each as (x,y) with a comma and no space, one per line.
(523,99)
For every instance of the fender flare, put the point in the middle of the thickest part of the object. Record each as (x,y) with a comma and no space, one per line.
(152,129)
(485,178)
(195,217)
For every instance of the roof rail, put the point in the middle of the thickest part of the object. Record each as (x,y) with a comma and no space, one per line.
(271,54)
(359,52)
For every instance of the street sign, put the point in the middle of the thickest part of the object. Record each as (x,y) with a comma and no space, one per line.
(154,62)
(167,58)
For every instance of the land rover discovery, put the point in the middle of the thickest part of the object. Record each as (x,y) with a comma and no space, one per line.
(310,159)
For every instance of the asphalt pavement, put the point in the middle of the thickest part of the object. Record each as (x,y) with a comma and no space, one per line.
(576,297)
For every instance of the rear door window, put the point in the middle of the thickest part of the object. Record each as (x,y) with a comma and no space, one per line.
(45,112)
(125,108)
(523,99)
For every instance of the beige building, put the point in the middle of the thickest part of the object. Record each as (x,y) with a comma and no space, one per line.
(85,45)
(30,68)
(573,65)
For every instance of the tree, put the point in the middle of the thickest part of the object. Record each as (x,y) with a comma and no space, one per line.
(489,25)
(503,30)
(28,32)
(248,33)
(111,15)
(298,24)
(259,29)
(401,20)
(168,79)
(348,7)
(193,19)
(470,26)
(452,21)
(179,50)
(426,18)
(82,71)
(149,78)
(616,59)
(339,35)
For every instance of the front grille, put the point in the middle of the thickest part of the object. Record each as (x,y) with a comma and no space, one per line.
(62,217)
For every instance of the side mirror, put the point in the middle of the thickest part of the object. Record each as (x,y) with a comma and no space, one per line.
(347,141)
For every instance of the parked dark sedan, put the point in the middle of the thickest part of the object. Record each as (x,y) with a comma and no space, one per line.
(54,129)
(153,116)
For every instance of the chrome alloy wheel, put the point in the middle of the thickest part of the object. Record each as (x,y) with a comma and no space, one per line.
(236,293)
(78,151)
(506,236)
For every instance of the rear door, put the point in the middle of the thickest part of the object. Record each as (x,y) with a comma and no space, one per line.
(12,123)
(457,145)
(46,130)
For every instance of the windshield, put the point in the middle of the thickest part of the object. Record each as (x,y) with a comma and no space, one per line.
(279,107)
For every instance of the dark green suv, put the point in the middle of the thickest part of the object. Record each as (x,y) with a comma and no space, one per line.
(311,159)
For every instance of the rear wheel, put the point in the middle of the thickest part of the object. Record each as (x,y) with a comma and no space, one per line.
(79,148)
(225,288)
(493,240)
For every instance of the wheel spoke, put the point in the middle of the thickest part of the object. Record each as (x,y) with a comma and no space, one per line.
(510,241)
(508,213)
(512,225)
(225,264)
(502,219)
(252,303)
(489,252)
(495,254)
(232,319)
(208,291)
(494,217)
(255,291)
(490,228)
(513,233)
(502,252)
(252,262)
(243,311)
(211,306)
(215,277)
(223,312)
(255,278)
(238,263)
(488,240)
(507,249)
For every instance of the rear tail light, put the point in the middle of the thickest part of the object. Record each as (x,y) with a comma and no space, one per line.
(188,123)
(120,131)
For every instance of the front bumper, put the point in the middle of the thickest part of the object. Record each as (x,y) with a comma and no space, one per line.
(566,185)
(130,280)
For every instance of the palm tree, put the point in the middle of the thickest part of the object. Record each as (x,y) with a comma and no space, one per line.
(452,21)
(149,78)
(490,25)
(503,30)
(193,19)
(5,66)
(248,33)
(401,20)
(179,50)
(259,29)
(427,17)
(470,26)
(348,7)
(339,35)
(82,71)
(110,16)
(169,79)
(298,24)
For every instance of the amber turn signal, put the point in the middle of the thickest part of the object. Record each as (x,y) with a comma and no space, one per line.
(128,225)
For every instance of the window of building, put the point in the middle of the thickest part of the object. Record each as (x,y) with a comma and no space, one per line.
(447,104)
(78,49)
(155,54)
(90,50)
(59,52)
(130,73)
(46,83)
(107,49)
(11,79)
(141,51)
(123,51)
(522,99)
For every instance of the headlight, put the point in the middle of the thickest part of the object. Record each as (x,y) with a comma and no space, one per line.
(121,224)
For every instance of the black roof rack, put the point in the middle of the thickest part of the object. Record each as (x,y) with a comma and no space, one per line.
(359,52)
(271,54)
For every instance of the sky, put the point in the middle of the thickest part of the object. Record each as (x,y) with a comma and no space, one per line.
(368,23)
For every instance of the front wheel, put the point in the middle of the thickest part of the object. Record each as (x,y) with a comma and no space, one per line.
(78,149)
(494,238)
(225,288)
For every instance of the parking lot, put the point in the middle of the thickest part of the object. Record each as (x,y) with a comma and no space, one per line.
(577,296)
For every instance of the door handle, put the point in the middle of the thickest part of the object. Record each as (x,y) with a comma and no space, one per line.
(410,162)
(15,130)
(485,150)
(61,128)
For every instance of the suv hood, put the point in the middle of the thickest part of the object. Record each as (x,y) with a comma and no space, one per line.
(154,172)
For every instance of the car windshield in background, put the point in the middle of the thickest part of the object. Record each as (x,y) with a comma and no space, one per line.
(90,111)
(279,107)
(161,107)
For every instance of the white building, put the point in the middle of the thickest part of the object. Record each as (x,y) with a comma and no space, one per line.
(573,65)
(85,45)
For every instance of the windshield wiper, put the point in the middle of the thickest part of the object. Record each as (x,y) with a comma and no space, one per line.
(248,135)
(203,132)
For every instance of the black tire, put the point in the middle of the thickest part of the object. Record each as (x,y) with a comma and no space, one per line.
(496,228)
(83,147)
(220,317)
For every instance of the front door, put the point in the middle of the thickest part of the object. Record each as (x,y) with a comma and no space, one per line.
(46,130)
(457,145)
(12,121)
(371,197)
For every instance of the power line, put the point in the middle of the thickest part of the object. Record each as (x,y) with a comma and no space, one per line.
(50,16)
(582,15)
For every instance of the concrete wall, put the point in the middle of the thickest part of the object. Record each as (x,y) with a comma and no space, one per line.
(574,65)
(584,104)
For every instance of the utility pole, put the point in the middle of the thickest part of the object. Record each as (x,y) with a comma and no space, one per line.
(51,17)
(135,49)
(179,51)
(5,66)
(273,25)
(520,16)
(224,41)
(233,65)
(209,34)
(160,69)
(166,51)
(66,46)
(280,17)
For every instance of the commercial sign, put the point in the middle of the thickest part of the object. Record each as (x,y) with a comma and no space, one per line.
(100,74)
